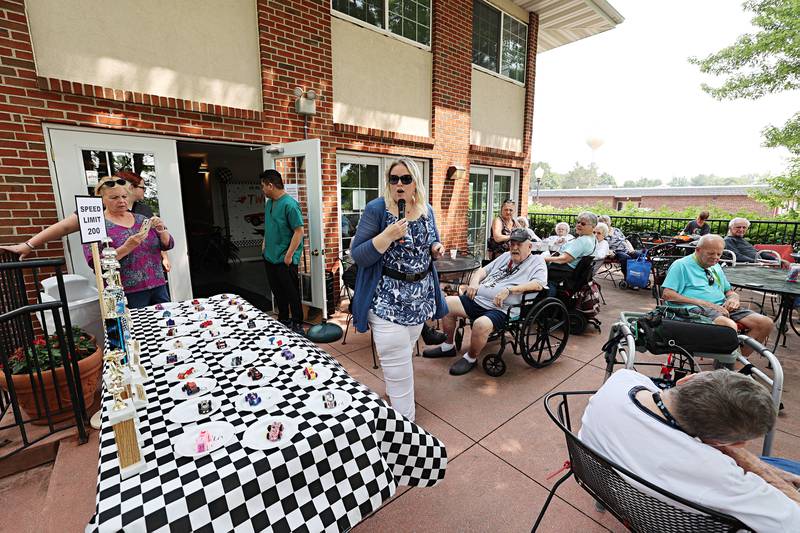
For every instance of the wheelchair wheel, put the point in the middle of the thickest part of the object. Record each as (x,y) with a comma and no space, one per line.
(623,284)
(577,323)
(544,333)
(494,366)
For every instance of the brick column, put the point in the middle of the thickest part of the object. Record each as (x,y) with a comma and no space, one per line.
(451,100)
(530,83)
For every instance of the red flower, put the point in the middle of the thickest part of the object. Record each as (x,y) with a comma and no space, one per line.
(39,341)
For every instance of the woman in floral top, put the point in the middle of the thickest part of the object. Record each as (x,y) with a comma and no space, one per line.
(139,254)
(397,287)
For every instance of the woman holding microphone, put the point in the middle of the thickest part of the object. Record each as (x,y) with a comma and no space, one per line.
(397,287)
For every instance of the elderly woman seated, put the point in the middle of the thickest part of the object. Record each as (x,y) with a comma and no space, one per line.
(562,266)
(602,251)
(562,236)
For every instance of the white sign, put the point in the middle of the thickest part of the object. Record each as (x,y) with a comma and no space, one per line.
(246,213)
(91,219)
(292,190)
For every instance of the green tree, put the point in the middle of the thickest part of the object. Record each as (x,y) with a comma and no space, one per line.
(606,180)
(642,182)
(679,181)
(580,177)
(550,179)
(760,63)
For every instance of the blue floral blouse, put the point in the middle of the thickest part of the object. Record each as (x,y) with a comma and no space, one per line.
(403,302)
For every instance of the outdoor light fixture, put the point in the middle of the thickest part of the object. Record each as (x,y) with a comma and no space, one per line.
(456,172)
(306,101)
(538,174)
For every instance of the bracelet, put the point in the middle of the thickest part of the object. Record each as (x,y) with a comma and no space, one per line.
(29,245)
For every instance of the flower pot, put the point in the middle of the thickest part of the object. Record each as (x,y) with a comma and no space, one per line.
(91,369)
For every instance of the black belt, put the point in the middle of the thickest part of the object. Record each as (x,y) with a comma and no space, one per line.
(406,276)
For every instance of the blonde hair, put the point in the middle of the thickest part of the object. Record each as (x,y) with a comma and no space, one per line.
(420,198)
(105,179)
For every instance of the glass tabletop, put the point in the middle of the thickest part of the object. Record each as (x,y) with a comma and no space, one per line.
(762,278)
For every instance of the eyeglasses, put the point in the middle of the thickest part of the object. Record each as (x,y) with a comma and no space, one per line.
(709,277)
(407,179)
(113,183)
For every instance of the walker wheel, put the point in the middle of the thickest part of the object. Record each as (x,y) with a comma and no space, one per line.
(623,284)
(494,366)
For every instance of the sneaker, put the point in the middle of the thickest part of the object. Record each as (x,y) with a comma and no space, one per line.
(461,367)
(435,353)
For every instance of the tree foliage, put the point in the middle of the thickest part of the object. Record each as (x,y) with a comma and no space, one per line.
(760,63)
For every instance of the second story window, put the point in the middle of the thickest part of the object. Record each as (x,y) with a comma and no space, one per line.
(410,19)
(499,41)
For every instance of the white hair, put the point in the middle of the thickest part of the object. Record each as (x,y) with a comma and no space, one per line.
(605,219)
(602,227)
(709,238)
(522,221)
(588,217)
(736,220)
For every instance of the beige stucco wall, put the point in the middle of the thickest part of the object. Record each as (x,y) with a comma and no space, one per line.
(498,112)
(380,82)
(511,8)
(197,50)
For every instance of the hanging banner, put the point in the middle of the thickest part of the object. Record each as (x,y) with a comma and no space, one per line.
(246,213)
(90,218)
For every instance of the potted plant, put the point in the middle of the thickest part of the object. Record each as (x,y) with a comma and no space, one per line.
(20,364)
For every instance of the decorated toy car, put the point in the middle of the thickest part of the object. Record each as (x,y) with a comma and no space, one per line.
(199,308)
(251,324)
(252,399)
(329,400)
(172,358)
(170,322)
(195,302)
(236,360)
(166,314)
(221,344)
(243,316)
(254,374)
(287,354)
(206,324)
(159,307)
(177,344)
(203,442)
(224,297)
(203,407)
(275,431)
(190,388)
(310,373)
(171,332)
(213,333)
(186,373)
(240,307)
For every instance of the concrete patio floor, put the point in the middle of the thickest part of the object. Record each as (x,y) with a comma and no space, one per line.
(500,443)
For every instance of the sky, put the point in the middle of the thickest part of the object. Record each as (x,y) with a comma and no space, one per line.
(633,88)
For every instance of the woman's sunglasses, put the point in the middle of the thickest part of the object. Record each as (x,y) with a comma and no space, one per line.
(113,183)
(407,179)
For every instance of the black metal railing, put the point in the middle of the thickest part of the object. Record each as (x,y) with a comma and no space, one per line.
(23,335)
(760,231)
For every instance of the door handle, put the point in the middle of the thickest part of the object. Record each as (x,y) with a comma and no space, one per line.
(322,252)
(315,252)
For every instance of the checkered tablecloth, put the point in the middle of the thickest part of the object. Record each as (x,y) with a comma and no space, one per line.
(336,471)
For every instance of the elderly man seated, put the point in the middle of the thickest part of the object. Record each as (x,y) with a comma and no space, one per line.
(689,440)
(735,241)
(491,291)
(697,282)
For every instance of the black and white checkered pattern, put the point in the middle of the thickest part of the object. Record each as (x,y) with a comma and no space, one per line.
(337,470)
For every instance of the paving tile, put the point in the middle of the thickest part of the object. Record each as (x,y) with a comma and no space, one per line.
(24,494)
(479,493)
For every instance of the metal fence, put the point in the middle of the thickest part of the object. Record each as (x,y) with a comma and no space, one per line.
(760,232)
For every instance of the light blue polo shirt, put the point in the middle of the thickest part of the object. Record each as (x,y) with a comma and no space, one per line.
(686,277)
(580,247)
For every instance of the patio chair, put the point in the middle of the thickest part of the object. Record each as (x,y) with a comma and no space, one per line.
(607,268)
(348,286)
(611,486)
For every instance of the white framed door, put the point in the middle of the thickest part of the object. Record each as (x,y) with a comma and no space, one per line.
(489,187)
(79,158)
(300,166)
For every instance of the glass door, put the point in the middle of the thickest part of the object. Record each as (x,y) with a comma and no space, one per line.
(488,189)
(300,166)
(81,158)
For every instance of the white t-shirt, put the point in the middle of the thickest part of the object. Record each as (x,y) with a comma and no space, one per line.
(601,250)
(502,273)
(636,439)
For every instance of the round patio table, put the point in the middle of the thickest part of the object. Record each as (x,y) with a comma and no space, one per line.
(450,269)
(772,280)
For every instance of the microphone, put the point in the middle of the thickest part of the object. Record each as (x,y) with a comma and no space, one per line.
(401,214)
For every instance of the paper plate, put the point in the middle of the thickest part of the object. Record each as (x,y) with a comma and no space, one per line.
(194,301)
(274,342)
(230,345)
(323,374)
(255,437)
(251,314)
(180,331)
(270,397)
(165,305)
(268,372)
(224,296)
(235,308)
(316,405)
(200,368)
(179,321)
(222,332)
(202,315)
(186,412)
(206,385)
(161,359)
(222,433)
(215,323)
(260,324)
(187,342)
(300,355)
(248,356)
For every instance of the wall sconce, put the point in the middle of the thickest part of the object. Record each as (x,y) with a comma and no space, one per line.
(456,172)
(306,101)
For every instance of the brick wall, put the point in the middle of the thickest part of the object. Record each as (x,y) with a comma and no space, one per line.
(295,41)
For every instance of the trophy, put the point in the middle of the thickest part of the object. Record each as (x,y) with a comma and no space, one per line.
(122,416)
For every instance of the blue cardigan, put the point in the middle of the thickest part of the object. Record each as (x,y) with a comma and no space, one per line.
(370,263)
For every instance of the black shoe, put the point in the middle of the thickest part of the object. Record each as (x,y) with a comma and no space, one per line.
(435,353)
(461,367)
(298,328)
(432,337)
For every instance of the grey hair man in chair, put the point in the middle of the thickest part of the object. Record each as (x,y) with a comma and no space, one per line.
(491,291)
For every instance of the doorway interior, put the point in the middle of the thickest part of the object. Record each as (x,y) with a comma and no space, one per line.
(223,210)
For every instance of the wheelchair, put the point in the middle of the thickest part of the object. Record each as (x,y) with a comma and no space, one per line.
(622,346)
(537,329)
(569,292)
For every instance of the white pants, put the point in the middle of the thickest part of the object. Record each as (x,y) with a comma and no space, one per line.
(395,344)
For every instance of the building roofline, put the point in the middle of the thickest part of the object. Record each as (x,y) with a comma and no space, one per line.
(701,190)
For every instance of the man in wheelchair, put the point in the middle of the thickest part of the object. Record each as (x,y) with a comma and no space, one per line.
(689,441)
(491,291)
(698,283)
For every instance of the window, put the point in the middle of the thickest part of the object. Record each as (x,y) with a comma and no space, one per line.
(488,189)
(410,19)
(499,41)
(98,164)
